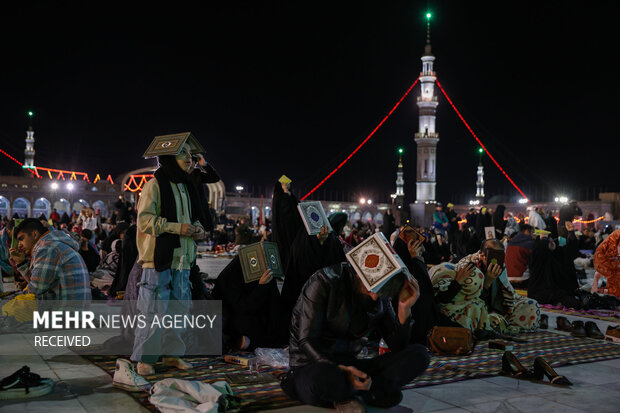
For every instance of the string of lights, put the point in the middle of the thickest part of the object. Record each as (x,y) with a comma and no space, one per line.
(478,140)
(363,142)
(11,158)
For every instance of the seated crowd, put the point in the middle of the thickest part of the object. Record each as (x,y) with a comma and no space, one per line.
(322,312)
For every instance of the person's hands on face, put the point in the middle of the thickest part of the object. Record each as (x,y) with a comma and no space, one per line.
(464,272)
(413,247)
(358,379)
(188,230)
(201,160)
(408,295)
(323,234)
(493,271)
(266,277)
(16,257)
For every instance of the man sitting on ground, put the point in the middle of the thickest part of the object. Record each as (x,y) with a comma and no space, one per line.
(518,253)
(50,263)
(333,313)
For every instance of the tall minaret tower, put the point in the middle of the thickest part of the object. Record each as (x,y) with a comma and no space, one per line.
(426,139)
(29,152)
(480,180)
(400,180)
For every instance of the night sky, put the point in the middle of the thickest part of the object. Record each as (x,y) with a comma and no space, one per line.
(292,87)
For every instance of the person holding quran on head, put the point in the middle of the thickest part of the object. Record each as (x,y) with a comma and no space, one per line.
(170,220)
(315,246)
(285,219)
(369,295)
(425,311)
(251,308)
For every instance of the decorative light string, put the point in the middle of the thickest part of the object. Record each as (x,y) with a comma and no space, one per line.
(363,142)
(478,140)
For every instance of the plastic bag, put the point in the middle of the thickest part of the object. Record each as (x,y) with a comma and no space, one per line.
(273,357)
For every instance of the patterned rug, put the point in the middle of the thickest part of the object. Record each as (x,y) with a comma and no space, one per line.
(603,315)
(557,349)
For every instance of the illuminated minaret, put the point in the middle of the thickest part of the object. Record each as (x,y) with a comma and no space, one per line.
(29,152)
(400,181)
(426,138)
(480,180)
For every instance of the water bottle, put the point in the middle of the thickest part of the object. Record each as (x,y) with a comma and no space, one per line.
(383,347)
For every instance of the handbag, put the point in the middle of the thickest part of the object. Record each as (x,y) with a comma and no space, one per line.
(450,341)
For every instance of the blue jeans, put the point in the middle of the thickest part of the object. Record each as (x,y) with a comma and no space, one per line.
(161,293)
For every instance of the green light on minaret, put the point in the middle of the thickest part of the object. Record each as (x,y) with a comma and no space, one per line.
(30,113)
(400,151)
(480,150)
(428,16)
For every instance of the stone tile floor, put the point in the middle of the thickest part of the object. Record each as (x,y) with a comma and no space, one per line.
(84,387)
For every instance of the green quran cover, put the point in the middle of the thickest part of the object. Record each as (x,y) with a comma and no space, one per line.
(256,258)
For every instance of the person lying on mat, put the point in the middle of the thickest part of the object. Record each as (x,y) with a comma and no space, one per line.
(333,313)
(483,300)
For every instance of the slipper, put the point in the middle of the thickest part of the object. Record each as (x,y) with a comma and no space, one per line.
(23,384)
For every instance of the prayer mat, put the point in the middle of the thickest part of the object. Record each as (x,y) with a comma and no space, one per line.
(557,349)
(521,292)
(255,397)
(603,315)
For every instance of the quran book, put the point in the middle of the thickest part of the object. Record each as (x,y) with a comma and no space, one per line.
(172,145)
(257,258)
(375,262)
(409,233)
(314,217)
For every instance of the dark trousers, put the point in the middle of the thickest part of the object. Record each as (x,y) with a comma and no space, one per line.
(322,383)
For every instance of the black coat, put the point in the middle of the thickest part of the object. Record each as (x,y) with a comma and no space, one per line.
(425,311)
(199,178)
(331,316)
(285,221)
(307,256)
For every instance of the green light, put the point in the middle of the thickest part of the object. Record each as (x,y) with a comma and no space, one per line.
(400,150)
(480,150)
(428,16)
(30,113)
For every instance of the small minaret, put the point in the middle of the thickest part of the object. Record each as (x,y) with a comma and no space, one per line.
(29,152)
(480,180)
(400,180)
(426,138)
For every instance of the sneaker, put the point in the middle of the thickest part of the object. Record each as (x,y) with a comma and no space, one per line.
(613,334)
(126,378)
(24,384)
(578,329)
(177,362)
(350,406)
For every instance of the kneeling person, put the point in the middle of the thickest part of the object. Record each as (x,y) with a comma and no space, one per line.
(333,313)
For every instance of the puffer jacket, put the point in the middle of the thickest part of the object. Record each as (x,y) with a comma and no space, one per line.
(330,318)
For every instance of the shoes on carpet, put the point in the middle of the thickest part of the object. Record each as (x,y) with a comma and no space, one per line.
(542,369)
(512,367)
(24,384)
(563,324)
(613,334)
(126,378)
(544,321)
(177,362)
(593,331)
(350,406)
(578,329)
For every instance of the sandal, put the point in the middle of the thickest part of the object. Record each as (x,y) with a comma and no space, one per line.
(513,367)
(542,368)
(23,383)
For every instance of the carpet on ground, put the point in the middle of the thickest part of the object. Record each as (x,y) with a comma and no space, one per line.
(602,315)
(557,349)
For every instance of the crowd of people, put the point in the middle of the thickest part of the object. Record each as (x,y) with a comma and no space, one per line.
(322,311)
